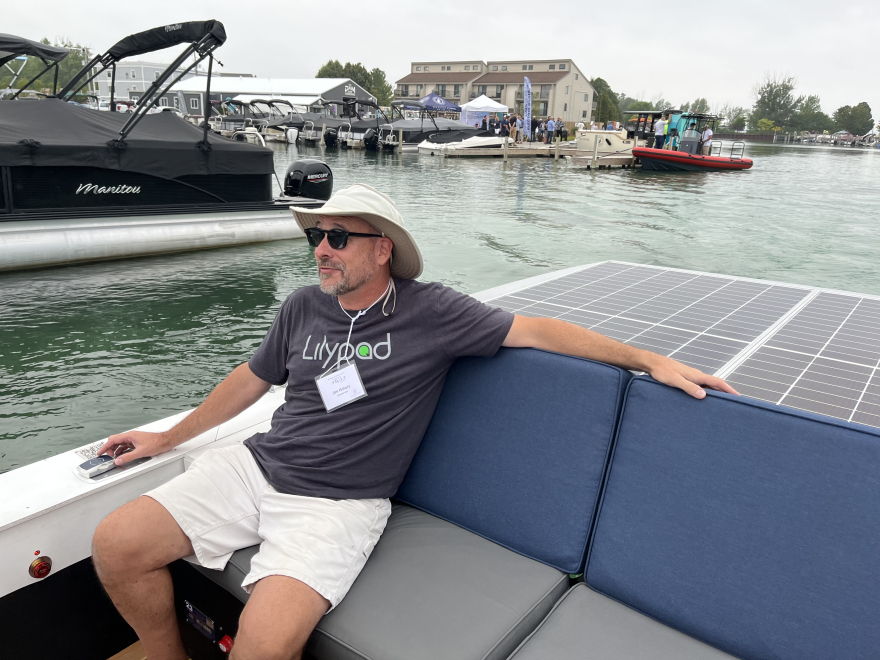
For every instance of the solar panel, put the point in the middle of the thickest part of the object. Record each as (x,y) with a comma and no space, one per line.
(825,359)
(804,347)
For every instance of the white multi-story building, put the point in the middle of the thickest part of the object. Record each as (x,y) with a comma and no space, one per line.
(133,78)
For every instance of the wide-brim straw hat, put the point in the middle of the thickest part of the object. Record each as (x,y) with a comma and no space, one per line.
(364,202)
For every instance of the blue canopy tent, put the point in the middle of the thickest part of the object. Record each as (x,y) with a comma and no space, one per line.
(437,103)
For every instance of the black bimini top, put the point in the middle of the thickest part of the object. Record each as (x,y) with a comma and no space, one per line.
(54,133)
(165,36)
(12,47)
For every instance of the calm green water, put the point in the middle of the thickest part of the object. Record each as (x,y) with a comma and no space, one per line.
(90,350)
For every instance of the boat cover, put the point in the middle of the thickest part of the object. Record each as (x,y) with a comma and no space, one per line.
(54,133)
(12,46)
(166,36)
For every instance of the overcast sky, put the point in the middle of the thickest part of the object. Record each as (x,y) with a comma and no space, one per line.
(695,49)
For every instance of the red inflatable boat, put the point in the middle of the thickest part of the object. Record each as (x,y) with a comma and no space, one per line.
(679,161)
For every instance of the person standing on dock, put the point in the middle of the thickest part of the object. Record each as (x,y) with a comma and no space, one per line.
(535,124)
(551,127)
(706,140)
(519,128)
(659,133)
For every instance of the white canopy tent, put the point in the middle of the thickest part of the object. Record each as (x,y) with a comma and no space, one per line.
(472,113)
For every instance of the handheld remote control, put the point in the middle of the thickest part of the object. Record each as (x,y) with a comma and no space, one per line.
(96,466)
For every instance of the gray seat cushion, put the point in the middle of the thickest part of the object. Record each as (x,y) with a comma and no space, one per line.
(433,590)
(586,625)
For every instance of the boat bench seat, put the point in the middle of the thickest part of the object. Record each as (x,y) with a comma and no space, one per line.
(751,527)
(494,514)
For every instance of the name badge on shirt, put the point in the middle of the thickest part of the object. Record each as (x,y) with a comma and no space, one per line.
(340,386)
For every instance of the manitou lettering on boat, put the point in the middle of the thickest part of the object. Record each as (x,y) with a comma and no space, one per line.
(86,188)
(81,185)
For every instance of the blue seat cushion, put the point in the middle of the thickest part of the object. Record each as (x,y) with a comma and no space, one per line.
(516,451)
(753,527)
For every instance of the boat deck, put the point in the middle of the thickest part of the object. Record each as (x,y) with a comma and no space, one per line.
(810,348)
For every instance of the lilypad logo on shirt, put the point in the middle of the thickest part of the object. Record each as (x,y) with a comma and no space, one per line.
(324,351)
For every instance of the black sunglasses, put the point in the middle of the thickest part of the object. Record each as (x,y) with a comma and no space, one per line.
(336,238)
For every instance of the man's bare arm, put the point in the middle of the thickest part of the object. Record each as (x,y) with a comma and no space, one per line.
(561,337)
(238,391)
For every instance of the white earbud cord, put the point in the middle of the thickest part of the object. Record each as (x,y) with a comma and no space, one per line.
(355,318)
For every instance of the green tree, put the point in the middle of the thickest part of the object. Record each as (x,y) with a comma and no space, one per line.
(359,73)
(855,119)
(641,105)
(606,109)
(766,125)
(700,106)
(738,124)
(333,69)
(775,100)
(380,87)
(808,116)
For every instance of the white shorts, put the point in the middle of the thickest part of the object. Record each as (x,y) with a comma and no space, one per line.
(224,503)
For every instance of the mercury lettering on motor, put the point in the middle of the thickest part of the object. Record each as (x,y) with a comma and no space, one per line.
(322,175)
(95,189)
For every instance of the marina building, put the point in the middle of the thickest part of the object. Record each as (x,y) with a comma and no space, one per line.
(559,87)
(133,78)
(302,92)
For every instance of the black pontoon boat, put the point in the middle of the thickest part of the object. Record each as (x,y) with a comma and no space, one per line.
(79,184)
(437,130)
(371,133)
(18,48)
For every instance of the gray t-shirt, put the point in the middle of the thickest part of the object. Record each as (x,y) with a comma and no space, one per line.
(363,449)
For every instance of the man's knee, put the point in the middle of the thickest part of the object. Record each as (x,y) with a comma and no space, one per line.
(138,536)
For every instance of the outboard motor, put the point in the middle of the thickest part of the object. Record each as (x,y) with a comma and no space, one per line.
(330,137)
(310,178)
(371,139)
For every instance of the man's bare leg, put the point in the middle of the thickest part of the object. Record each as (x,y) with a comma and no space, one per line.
(131,549)
(278,619)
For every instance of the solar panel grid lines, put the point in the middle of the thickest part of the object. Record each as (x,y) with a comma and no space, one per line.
(814,349)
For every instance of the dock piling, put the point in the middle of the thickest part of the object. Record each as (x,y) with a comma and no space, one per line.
(595,152)
(558,142)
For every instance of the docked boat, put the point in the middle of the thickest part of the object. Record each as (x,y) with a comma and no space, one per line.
(428,127)
(18,49)
(626,518)
(680,161)
(372,133)
(83,185)
(454,141)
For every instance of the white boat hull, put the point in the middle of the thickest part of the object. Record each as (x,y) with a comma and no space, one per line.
(40,243)
(440,149)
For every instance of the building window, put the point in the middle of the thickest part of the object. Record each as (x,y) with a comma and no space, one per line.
(586,98)
(134,88)
(418,68)
(404,90)
(457,93)
(135,98)
(561,67)
(157,75)
(109,74)
(419,90)
(576,77)
(566,89)
(481,89)
(494,68)
(498,90)
(426,68)
(565,107)
(193,103)
(545,92)
(531,67)
(476,68)
(584,114)
(177,102)
(467,68)
(126,75)
(552,67)
(504,68)
(441,90)
(163,102)
(133,74)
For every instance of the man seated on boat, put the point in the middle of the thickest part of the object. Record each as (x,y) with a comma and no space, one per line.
(364,355)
